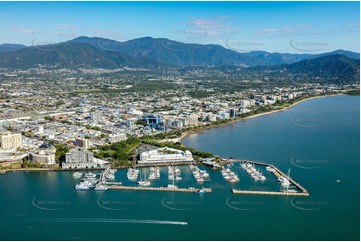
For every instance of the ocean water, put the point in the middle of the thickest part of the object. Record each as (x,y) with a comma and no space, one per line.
(318,140)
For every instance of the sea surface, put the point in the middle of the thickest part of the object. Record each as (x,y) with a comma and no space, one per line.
(317,140)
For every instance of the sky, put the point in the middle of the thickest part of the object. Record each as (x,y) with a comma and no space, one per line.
(292,27)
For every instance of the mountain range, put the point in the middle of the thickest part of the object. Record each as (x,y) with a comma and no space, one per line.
(182,54)
(155,53)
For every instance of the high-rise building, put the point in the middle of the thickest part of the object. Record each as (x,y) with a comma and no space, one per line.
(10,141)
(177,124)
(245,103)
(41,129)
(232,113)
(94,116)
(83,143)
(212,118)
(193,119)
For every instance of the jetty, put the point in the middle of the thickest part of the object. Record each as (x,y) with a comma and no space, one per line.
(110,183)
(161,189)
(303,191)
(277,173)
(272,193)
(104,174)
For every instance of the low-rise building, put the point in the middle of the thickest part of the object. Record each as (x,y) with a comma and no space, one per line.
(116,138)
(165,154)
(78,158)
(44,155)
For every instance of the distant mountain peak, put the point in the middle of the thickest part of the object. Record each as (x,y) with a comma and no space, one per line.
(11,47)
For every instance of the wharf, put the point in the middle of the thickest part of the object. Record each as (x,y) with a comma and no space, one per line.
(110,183)
(303,192)
(104,174)
(162,189)
(246,192)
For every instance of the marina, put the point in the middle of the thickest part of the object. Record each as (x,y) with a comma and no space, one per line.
(107,181)
(331,212)
(285,180)
(229,175)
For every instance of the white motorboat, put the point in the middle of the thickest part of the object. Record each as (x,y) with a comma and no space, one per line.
(77,175)
(81,187)
(89,175)
(99,187)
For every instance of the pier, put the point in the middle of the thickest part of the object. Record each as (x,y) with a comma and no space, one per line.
(272,193)
(161,189)
(303,191)
(118,185)
(104,174)
(110,183)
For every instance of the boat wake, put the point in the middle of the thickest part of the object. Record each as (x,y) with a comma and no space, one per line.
(109,220)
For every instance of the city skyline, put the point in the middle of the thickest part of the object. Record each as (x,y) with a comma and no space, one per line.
(292,27)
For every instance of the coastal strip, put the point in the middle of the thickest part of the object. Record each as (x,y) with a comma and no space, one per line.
(236,120)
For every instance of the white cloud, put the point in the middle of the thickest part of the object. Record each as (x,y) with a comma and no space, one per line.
(26,31)
(66,35)
(283,31)
(206,28)
(65,27)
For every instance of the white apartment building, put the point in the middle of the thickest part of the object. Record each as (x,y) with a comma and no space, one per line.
(78,158)
(116,138)
(165,154)
(193,119)
(10,141)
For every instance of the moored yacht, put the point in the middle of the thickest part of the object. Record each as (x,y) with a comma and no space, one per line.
(89,175)
(99,187)
(77,174)
(81,187)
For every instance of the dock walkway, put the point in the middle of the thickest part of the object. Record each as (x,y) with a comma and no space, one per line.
(303,192)
(247,192)
(164,189)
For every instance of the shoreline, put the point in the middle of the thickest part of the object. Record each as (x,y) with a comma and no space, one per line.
(236,120)
(196,131)
(24,169)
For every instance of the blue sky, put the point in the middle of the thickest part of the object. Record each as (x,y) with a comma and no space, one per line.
(293,27)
